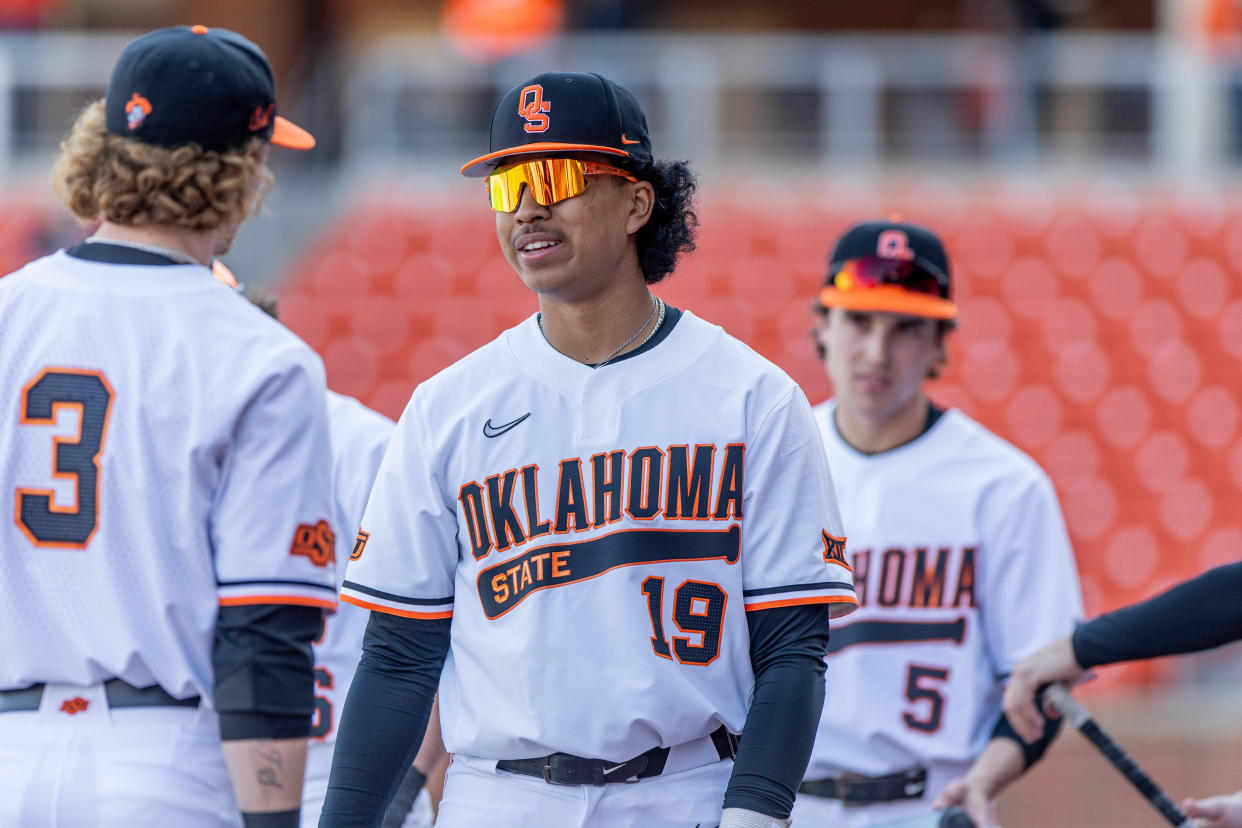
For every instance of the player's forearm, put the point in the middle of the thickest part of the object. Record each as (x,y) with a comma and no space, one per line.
(266,773)
(787,649)
(385,717)
(776,742)
(416,777)
(1000,763)
(261,656)
(1199,614)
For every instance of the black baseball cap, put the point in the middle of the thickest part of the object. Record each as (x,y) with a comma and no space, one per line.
(889,266)
(195,85)
(565,112)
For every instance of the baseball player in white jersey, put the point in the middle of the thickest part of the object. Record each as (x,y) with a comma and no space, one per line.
(613,526)
(359,436)
(960,555)
(171,547)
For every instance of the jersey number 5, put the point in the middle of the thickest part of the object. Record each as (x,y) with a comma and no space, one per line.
(698,608)
(37,514)
(923,685)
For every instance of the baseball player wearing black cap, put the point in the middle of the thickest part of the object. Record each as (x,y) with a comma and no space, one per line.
(960,555)
(610,534)
(163,443)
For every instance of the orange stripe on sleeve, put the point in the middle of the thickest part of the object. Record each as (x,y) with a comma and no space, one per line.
(426,616)
(792,602)
(296,600)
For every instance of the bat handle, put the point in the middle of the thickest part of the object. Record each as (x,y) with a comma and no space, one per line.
(955,818)
(1077,716)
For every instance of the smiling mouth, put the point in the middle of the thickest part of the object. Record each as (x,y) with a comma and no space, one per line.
(536,246)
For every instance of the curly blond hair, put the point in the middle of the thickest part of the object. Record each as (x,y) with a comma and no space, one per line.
(100,175)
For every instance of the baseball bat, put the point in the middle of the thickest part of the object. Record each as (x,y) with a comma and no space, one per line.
(1081,719)
(949,818)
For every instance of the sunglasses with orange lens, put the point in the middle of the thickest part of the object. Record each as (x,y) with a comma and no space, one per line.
(874,271)
(550,180)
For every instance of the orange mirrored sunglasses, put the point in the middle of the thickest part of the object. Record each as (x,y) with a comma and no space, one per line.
(550,180)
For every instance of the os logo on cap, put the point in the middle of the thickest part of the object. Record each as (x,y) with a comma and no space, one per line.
(894,244)
(137,110)
(532,107)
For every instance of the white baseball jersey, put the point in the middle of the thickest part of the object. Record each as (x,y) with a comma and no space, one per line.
(597,536)
(359,436)
(962,567)
(163,448)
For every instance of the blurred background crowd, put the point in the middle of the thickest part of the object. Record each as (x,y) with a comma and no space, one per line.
(1081,159)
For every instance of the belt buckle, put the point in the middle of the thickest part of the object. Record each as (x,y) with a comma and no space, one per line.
(845,784)
(547,773)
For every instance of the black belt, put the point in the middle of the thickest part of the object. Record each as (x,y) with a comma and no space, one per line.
(564,769)
(859,790)
(118,693)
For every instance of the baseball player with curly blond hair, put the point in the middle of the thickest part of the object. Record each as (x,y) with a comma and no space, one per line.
(170,554)
(609,536)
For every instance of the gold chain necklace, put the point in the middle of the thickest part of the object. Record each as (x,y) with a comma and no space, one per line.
(656,306)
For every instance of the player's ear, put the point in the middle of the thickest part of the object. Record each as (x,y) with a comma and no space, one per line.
(819,331)
(641,202)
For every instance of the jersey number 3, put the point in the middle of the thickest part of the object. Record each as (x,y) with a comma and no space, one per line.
(37,514)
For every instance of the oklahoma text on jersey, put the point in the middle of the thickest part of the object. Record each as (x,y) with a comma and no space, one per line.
(676,483)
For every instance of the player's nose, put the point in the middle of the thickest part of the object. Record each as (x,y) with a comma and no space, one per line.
(529,210)
(875,344)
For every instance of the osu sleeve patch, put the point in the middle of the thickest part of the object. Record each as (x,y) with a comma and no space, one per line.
(315,541)
(360,543)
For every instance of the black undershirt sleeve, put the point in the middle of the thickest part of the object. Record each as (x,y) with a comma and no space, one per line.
(264,680)
(385,716)
(787,647)
(1199,614)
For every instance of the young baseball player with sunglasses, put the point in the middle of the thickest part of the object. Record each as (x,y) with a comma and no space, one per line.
(169,552)
(613,526)
(960,556)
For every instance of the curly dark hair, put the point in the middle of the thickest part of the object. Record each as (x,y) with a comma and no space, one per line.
(673,224)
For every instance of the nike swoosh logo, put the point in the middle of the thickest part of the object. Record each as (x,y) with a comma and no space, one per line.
(913,788)
(615,767)
(625,140)
(490,430)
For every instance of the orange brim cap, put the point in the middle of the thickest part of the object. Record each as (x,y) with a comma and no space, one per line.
(482,166)
(888,299)
(286,133)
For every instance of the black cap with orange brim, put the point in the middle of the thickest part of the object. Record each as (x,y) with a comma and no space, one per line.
(889,266)
(563,112)
(194,85)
